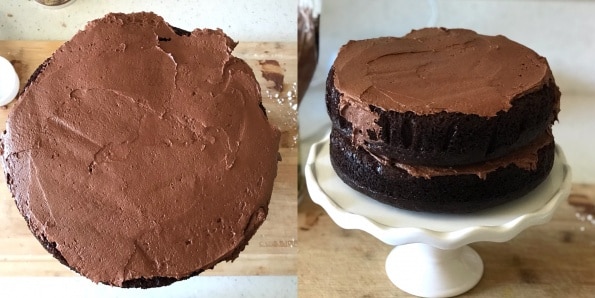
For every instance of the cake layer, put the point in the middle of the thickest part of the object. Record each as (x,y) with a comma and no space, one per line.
(446,139)
(441,97)
(140,154)
(442,190)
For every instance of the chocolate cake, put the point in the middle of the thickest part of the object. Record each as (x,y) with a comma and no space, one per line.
(441,120)
(308,33)
(308,24)
(140,154)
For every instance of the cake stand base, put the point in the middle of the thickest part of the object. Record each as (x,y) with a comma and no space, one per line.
(423,270)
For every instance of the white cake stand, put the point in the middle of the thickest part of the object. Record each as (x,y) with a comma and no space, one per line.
(431,257)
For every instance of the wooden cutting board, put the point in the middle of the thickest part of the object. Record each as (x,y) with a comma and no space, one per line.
(272,251)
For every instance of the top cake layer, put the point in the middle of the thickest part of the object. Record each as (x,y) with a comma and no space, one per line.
(140,153)
(435,69)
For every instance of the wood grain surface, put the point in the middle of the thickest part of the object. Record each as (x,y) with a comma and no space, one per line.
(556,259)
(272,251)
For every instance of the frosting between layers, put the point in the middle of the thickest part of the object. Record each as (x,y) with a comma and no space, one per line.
(525,158)
(142,153)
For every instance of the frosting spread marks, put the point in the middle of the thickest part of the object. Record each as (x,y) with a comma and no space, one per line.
(435,69)
(141,152)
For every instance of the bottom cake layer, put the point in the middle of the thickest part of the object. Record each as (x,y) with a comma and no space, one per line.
(464,193)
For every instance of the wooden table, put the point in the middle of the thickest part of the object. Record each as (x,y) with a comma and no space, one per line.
(556,259)
(272,251)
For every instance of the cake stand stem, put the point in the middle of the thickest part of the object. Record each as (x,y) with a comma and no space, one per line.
(426,271)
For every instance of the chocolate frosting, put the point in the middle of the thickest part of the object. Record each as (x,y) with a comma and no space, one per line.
(525,158)
(436,69)
(140,152)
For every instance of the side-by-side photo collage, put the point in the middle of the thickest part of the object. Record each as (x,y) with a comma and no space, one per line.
(297,148)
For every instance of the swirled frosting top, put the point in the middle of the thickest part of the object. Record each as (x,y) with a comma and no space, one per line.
(141,152)
(436,69)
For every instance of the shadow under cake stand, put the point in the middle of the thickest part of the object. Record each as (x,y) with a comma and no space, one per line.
(431,257)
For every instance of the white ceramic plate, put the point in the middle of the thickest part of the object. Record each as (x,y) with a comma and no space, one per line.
(9,82)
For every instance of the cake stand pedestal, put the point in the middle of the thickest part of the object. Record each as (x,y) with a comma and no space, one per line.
(431,257)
